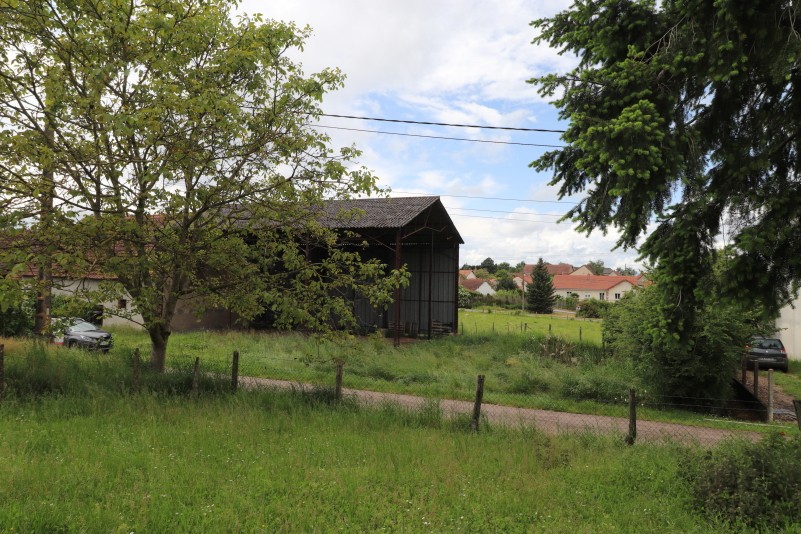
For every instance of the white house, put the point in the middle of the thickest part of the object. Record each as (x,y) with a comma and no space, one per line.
(478,285)
(590,286)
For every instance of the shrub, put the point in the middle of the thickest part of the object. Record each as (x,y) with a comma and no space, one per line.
(17,321)
(698,364)
(593,309)
(754,484)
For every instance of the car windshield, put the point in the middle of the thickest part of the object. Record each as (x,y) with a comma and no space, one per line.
(767,344)
(82,326)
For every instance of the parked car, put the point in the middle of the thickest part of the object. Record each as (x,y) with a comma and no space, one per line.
(769,352)
(74,332)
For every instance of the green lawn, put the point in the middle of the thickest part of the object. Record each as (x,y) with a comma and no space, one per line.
(270,462)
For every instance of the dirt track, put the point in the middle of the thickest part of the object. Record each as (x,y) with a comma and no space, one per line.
(547,421)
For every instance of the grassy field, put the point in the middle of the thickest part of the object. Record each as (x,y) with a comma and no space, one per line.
(80,451)
(529,369)
(506,322)
(279,462)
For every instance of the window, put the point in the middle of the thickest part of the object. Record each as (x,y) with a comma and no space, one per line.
(600,296)
(617,296)
(586,295)
(122,304)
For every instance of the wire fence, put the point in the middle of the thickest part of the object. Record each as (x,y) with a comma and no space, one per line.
(632,416)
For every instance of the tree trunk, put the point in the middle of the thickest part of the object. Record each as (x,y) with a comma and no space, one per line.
(158,343)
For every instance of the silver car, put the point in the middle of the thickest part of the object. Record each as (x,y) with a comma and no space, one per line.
(74,332)
(769,352)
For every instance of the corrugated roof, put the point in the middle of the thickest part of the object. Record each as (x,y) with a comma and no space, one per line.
(375,212)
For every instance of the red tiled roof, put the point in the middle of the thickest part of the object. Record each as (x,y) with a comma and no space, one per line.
(591,282)
(553,269)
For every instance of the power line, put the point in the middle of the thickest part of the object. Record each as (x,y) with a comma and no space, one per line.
(507,212)
(490,198)
(428,123)
(506,218)
(435,136)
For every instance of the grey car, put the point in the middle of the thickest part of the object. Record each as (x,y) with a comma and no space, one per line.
(769,352)
(74,332)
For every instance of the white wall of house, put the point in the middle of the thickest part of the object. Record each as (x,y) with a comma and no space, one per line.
(583,270)
(613,294)
(789,329)
(76,287)
(485,289)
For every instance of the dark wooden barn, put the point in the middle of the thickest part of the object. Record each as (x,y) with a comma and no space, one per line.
(412,231)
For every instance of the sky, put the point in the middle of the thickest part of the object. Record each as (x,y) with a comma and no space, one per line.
(456,62)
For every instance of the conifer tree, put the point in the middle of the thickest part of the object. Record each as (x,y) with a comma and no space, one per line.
(539,295)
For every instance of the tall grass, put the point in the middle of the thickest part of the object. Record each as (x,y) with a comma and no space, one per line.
(88,458)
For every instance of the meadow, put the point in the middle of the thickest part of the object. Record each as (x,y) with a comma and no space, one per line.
(564,370)
(82,451)
(82,454)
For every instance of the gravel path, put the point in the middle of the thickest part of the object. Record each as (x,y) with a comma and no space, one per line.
(547,421)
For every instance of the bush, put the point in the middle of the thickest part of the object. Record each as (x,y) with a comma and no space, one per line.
(593,309)
(17,321)
(698,364)
(754,484)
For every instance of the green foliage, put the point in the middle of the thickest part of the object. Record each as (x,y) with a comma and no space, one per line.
(686,113)
(596,267)
(467,298)
(566,303)
(539,294)
(488,265)
(699,366)
(594,308)
(753,484)
(505,282)
(17,319)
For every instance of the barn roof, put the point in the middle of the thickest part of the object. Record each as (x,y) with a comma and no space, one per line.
(412,214)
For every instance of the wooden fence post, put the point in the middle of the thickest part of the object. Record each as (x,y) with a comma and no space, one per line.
(756,379)
(770,395)
(579,333)
(2,370)
(477,405)
(549,329)
(632,417)
(196,375)
(338,387)
(136,379)
(235,371)
(797,406)
(745,370)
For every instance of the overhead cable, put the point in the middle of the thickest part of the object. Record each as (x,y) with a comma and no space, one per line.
(428,123)
(435,136)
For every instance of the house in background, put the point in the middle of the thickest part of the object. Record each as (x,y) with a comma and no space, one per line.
(788,327)
(592,286)
(553,268)
(467,274)
(478,285)
(522,280)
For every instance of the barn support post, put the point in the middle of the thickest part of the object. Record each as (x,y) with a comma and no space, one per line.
(431,286)
(456,288)
(398,238)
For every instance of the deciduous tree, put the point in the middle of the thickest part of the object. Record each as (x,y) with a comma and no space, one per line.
(178,146)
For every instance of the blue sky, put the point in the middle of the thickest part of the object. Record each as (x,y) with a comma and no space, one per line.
(452,61)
